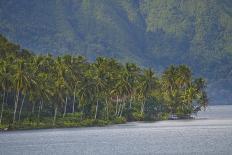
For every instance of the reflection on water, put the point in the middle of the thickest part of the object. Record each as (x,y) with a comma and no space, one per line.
(210,133)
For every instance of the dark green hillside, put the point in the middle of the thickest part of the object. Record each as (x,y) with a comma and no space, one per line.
(154,33)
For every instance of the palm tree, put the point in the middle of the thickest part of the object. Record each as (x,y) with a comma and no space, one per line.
(28,73)
(59,85)
(77,67)
(147,84)
(86,93)
(21,81)
(200,86)
(100,86)
(184,76)
(5,83)
(123,88)
(169,87)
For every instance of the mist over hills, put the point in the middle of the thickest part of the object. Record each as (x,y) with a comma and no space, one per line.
(152,33)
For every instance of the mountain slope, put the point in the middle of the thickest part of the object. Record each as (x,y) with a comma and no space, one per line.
(153,33)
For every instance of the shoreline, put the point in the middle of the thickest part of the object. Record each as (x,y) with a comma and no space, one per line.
(89,126)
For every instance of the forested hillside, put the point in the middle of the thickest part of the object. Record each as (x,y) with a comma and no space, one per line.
(153,33)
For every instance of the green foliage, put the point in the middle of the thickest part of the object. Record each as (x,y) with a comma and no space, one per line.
(137,116)
(119,120)
(68,91)
(152,108)
(3,127)
(155,33)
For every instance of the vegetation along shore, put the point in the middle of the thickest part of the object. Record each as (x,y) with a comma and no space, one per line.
(45,91)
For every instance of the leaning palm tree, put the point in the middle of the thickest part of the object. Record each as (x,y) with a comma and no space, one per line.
(29,74)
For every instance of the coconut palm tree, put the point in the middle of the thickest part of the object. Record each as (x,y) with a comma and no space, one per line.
(59,84)
(21,81)
(100,85)
(5,81)
(200,86)
(146,85)
(31,82)
(169,87)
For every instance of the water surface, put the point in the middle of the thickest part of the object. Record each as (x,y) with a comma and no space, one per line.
(210,133)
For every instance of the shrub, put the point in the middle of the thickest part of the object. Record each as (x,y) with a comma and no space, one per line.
(74,115)
(87,122)
(164,116)
(119,120)
(137,116)
(3,127)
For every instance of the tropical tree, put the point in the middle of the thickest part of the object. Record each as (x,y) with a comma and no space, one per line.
(21,80)
(147,83)
(5,81)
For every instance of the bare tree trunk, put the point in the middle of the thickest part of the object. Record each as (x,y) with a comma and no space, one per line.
(65,106)
(3,101)
(21,107)
(95,117)
(16,105)
(55,113)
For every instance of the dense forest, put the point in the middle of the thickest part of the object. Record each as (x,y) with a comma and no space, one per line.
(152,33)
(64,91)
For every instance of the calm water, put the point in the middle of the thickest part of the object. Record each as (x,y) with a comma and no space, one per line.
(210,134)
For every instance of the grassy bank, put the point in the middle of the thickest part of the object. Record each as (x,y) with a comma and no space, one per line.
(75,120)
(67,122)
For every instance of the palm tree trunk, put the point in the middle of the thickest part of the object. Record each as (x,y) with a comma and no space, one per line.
(107,109)
(33,108)
(119,109)
(123,105)
(142,107)
(55,113)
(16,105)
(40,108)
(21,107)
(82,112)
(65,106)
(116,111)
(130,102)
(3,101)
(74,100)
(95,117)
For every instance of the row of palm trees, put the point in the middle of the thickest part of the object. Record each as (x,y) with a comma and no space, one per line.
(74,82)
(104,89)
